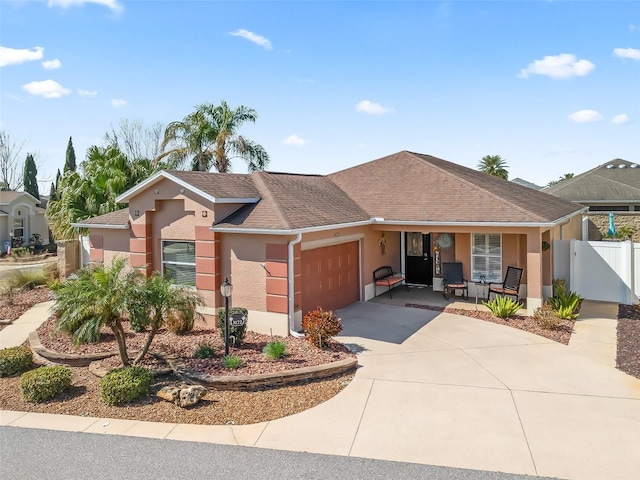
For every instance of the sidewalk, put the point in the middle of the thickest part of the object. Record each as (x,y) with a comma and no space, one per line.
(17,333)
(595,332)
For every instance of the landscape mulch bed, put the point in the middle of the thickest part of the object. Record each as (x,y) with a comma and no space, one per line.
(560,334)
(21,302)
(628,354)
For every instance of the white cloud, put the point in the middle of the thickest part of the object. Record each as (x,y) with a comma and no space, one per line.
(294,140)
(15,56)
(620,119)
(374,108)
(51,64)
(110,4)
(253,37)
(87,93)
(117,103)
(46,89)
(632,53)
(584,116)
(564,65)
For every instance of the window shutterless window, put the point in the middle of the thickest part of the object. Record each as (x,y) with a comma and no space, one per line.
(179,261)
(486,256)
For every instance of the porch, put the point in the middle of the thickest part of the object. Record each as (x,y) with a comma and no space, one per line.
(419,295)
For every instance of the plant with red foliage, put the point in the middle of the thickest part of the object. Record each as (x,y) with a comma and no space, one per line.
(319,326)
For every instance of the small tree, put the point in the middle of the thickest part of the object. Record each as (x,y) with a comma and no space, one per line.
(70,160)
(52,193)
(30,177)
(96,297)
(494,165)
(153,301)
(10,166)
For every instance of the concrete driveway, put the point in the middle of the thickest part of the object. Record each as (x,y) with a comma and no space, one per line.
(449,390)
(443,389)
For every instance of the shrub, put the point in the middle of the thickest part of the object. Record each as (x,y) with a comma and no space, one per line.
(236,334)
(232,362)
(559,286)
(180,322)
(503,306)
(566,304)
(7,292)
(125,384)
(19,252)
(45,382)
(15,360)
(319,326)
(545,317)
(27,279)
(274,350)
(51,271)
(204,350)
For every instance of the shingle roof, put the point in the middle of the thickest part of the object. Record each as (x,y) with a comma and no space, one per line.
(117,218)
(602,183)
(219,185)
(413,187)
(290,201)
(8,196)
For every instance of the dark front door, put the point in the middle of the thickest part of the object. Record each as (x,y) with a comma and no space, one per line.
(418,260)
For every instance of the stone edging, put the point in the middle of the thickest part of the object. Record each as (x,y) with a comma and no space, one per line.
(229,382)
(262,380)
(72,359)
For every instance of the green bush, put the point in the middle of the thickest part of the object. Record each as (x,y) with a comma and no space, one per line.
(319,326)
(125,384)
(503,306)
(180,322)
(566,304)
(274,350)
(236,334)
(546,317)
(232,362)
(204,350)
(19,252)
(15,360)
(45,382)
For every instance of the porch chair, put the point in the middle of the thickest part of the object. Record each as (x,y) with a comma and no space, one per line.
(453,280)
(510,286)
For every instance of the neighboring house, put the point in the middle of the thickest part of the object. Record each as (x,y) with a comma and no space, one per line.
(611,187)
(526,183)
(289,243)
(20,218)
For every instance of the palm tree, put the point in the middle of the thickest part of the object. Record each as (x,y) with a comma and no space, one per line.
(93,298)
(494,165)
(155,300)
(209,137)
(562,178)
(105,173)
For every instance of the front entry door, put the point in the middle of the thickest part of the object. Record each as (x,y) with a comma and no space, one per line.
(418,261)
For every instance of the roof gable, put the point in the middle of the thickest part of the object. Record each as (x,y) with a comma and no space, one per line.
(7,197)
(413,187)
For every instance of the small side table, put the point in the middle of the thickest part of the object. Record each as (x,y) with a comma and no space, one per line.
(478,286)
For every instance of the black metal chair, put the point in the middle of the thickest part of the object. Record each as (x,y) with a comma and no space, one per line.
(453,280)
(510,286)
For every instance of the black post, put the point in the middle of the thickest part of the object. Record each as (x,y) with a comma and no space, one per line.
(226,326)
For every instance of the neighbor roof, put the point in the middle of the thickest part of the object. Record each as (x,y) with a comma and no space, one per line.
(411,187)
(614,181)
(8,196)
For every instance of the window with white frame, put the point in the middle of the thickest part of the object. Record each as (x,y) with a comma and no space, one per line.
(179,261)
(486,256)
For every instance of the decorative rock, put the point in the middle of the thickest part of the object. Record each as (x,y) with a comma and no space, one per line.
(182,395)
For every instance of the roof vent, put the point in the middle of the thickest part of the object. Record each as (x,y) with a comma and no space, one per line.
(611,166)
(622,165)
(634,165)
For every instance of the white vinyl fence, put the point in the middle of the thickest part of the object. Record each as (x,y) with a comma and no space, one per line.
(605,271)
(85,248)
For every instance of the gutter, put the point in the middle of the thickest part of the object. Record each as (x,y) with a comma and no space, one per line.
(291,285)
(97,225)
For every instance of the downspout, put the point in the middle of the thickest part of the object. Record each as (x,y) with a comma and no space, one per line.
(291,287)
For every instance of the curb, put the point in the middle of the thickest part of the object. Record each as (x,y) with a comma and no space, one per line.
(72,359)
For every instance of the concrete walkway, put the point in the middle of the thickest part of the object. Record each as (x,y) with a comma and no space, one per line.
(443,389)
(595,332)
(18,331)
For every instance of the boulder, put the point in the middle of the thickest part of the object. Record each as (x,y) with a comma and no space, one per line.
(182,395)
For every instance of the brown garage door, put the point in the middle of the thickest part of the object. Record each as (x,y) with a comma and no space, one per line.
(330,277)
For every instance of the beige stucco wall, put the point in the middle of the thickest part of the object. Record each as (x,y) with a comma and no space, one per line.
(116,243)
(39,226)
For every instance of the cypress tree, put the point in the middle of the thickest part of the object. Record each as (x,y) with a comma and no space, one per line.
(70,162)
(52,193)
(29,177)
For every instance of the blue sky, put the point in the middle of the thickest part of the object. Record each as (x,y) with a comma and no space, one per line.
(552,87)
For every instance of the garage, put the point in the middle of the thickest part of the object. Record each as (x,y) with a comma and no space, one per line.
(330,277)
